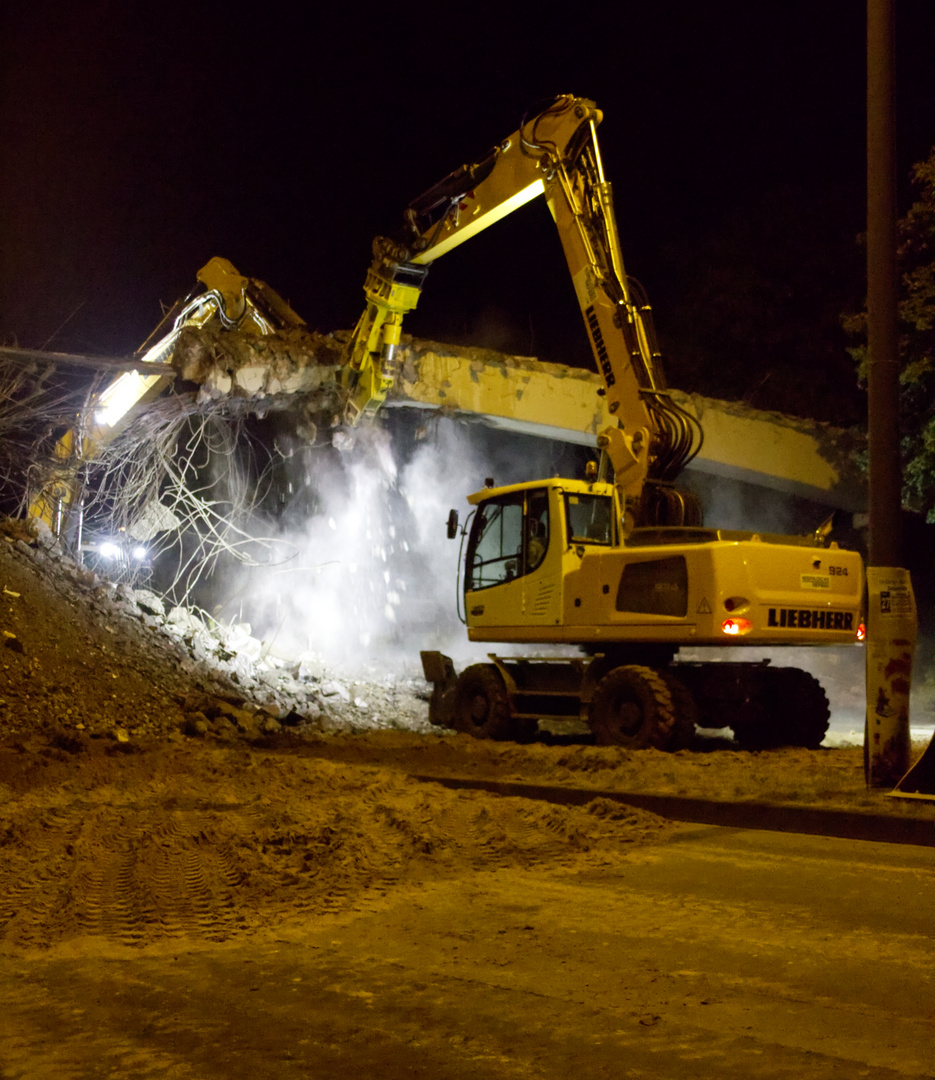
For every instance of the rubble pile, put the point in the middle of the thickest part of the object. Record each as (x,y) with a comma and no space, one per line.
(84,659)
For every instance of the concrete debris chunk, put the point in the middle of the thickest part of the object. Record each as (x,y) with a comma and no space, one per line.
(308,669)
(13,529)
(333,688)
(154,519)
(196,725)
(181,620)
(148,601)
(237,639)
(270,370)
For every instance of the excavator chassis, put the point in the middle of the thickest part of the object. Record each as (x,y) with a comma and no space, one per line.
(635,701)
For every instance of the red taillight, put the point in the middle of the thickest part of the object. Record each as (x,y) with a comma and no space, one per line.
(736,627)
(861,632)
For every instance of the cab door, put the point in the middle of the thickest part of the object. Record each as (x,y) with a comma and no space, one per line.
(512,573)
(542,556)
(493,589)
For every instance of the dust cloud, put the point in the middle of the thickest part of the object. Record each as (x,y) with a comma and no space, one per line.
(372,577)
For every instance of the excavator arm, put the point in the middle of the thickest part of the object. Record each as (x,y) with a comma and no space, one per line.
(554,155)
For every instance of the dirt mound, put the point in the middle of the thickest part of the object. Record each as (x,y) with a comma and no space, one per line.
(172,847)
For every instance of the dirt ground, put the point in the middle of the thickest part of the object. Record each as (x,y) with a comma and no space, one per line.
(150,809)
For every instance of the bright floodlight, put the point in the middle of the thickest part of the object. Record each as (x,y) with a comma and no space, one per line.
(122,394)
(109,550)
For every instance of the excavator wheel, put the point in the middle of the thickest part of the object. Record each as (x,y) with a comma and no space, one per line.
(790,709)
(481,704)
(686,712)
(753,728)
(799,711)
(632,706)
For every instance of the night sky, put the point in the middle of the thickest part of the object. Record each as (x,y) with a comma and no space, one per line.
(140,140)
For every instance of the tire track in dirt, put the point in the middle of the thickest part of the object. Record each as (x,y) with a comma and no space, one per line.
(117,876)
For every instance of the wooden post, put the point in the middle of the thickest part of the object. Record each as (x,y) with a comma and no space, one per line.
(891,618)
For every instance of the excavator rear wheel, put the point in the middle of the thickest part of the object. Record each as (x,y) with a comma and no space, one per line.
(799,710)
(632,706)
(790,709)
(481,703)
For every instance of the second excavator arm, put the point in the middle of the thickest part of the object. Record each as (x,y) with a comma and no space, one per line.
(224,296)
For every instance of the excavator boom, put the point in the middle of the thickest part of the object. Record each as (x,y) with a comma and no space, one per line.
(556,155)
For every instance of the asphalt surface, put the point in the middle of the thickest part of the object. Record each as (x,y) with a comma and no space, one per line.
(719,952)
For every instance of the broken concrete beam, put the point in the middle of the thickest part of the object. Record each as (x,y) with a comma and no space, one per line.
(294,363)
(522,394)
(517,393)
(799,457)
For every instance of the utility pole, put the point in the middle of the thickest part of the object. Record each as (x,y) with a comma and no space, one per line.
(891,616)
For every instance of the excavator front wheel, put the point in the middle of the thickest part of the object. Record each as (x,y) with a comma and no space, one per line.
(685,710)
(632,706)
(481,703)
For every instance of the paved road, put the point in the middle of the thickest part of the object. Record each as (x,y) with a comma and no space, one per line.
(720,953)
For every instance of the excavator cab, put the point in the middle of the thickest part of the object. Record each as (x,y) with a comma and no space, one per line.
(514,529)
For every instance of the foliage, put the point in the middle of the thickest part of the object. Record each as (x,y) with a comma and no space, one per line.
(916,330)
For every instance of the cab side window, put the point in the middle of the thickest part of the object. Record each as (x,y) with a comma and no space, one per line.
(590,519)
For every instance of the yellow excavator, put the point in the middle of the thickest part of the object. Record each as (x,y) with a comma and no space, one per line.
(617,563)
(620,566)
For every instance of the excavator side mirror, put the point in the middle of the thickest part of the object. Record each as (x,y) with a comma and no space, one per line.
(452,524)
